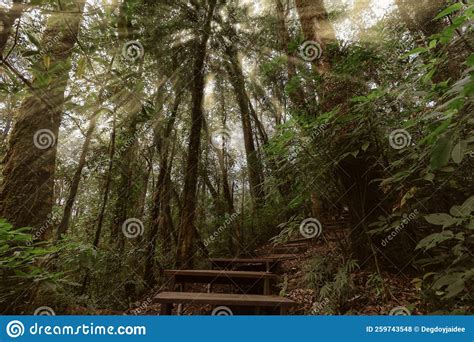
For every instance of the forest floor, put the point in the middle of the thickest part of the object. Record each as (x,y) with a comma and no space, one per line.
(365,300)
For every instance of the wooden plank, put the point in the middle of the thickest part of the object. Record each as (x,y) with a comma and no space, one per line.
(294,245)
(261,281)
(221,273)
(260,260)
(285,249)
(223,299)
(266,264)
(300,240)
(282,256)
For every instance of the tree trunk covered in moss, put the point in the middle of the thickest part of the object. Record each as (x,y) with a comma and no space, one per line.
(7,19)
(187,230)
(28,183)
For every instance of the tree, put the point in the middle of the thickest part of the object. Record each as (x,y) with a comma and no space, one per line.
(187,228)
(27,188)
(254,165)
(7,19)
(63,226)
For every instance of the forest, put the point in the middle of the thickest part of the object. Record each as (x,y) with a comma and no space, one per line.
(310,156)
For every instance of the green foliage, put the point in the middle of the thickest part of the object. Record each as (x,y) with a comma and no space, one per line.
(22,268)
(451,251)
(331,277)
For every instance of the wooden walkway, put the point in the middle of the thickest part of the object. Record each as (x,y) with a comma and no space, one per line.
(254,287)
(167,299)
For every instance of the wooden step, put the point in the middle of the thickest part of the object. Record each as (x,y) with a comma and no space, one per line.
(307,240)
(281,257)
(294,245)
(226,263)
(258,281)
(167,299)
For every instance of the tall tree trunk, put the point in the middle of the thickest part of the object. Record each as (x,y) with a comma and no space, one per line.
(160,213)
(254,164)
(108,180)
(7,19)
(296,94)
(187,228)
(28,183)
(316,27)
(63,226)
(315,22)
(125,191)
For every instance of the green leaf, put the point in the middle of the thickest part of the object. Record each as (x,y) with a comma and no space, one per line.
(470,225)
(81,66)
(34,40)
(455,288)
(441,151)
(453,8)
(470,60)
(468,206)
(458,152)
(413,52)
(30,53)
(440,219)
(429,177)
(435,239)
